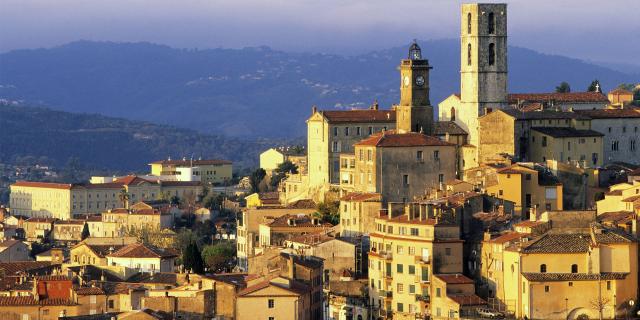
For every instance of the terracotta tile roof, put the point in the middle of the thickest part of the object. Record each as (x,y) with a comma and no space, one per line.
(516,169)
(390,139)
(295,287)
(194,162)
(101,250)
(66,186)
(236,279)
(355,288)
(139,250)
(543,114)
(441,128)
(573,242)
(312,238)
(31,301)
(89,291)
(543,277)
(360,196)
(299,221)
(269,195)
(52,278)
(70,222)
(302,204)
(611,113)
(632,198)
(131,180)
(508,237)
(535,106)
(455,278)
(617,217)
(467,299)
(181,183)
(120,287)
(347,116)
(13,268)
(529,223)
(558,132)
(567,97)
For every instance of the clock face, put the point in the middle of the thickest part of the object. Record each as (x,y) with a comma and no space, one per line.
(406,81)
(420,81)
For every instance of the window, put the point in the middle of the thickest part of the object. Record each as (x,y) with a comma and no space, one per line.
(412,269)
(632,145)
(492,54)
(400,307)
(447,251)
(436,155)
(441,178)
(614,145)
(271,304)
(608,285)
(400,288)
(574,268)
(419,155)
(412,289)
(500,192)
(369,155)
(335,131)
(370,130)
(414,232)
(543,268)
(469,54)
(405,180)
(399,268)
(546,288)
(544,141)
(568,145)
(358,131)
(492,23)
(346,131)
(570,284)
(438,294)
(469,23)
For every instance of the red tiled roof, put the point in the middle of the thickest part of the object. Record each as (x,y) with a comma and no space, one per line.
(74,222)
(345,116)
(12,268)
(41,220)
(52,278)
(295,287)
(611,113)
(31,301)
(528,223)
(391,139)
(455,278)
(302,204)
(129,180)
(358,197)
(139,250)
(89,291)
(181,183)
(510,236)
(573,97)
(51,185)
(194,162)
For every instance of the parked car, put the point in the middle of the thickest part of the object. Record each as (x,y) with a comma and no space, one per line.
(489,313)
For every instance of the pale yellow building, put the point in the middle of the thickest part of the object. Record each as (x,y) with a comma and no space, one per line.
(453,297)
(279,298)
(620,197)
(209,171)
(271,158)
(582,147)
(526,188)
(65,201)
(274,232)
(407,248)
(563,275)
(358,212)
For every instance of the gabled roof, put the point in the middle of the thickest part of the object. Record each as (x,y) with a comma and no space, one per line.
(566,97)
(455,278)
(31,301)
(13,268)
(390,139)
(100,250)
(441,128)
(361,196)
(294,287)
(357,116)
(158,277)
(560,132)
(139,250)
(573,242)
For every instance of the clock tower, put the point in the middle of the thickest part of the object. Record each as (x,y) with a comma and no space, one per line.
(414,113)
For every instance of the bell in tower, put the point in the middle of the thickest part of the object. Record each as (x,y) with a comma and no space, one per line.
(414,113)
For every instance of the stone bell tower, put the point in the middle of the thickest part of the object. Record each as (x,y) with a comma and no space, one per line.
(414,113)
(483,63)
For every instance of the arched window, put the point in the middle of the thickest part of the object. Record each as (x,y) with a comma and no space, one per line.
(469,54)
(453,114)
(543,268)
(574,268)
(469,23)
(491,23)
(492,54)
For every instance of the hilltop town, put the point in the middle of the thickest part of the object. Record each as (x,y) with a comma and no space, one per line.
(499,205)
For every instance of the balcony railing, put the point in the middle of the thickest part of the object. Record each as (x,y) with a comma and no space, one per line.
(386,255)
(423,297)
(386,294)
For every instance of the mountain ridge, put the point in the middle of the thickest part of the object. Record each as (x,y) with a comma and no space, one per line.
(250,92)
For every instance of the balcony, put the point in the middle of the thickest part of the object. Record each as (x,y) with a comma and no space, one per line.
(423,259)
(423,297)
(388,314)
(422,280)
(386,255)
(386,294)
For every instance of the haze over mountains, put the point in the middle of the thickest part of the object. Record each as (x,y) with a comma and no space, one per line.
(252,92)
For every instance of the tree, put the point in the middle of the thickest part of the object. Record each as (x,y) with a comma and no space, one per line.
(563,87)
(218,256)
(329,212)
(124,197)
(175,200)
(281,172)
(594,86)
(256,178)
(191,258)
(85,231)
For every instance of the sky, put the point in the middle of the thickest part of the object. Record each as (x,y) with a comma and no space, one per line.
(598,31)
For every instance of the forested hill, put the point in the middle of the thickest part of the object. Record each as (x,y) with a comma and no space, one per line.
(111,143)
(251,92)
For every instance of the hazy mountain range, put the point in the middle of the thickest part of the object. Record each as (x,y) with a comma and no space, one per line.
(251,92)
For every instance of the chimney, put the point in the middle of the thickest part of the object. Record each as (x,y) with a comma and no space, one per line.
(291,267)
(486,236)
(375,105)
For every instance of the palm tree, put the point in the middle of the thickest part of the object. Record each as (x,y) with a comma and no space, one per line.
(124,197)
